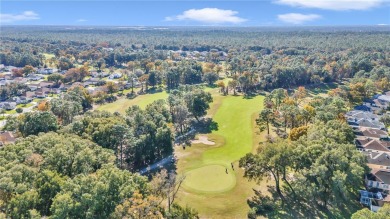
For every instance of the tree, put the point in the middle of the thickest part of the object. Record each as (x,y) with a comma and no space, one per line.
(298,132)
(139,206)
(266,117)
(48,184)
(273,159)
(180,115)
(386,120)
(332,173)
(221,86)
(300,93)
(32,123)
(101,63)
(233,84)
(383,212)
(131,78)
(210,78)
(166,185)
(80,95)
(56,78)
(179,212)
(278,96)
(28,69)
(98,194)
(111,87)
(17,72)
(152,79)
(65,110)
(198,102)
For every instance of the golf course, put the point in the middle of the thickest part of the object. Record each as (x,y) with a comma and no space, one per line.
(208,187)
(214,183)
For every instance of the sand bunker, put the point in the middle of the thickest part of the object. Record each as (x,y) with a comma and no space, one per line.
(203,140)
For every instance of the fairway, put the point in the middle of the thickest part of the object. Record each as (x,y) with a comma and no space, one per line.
(207,187)
(142,101)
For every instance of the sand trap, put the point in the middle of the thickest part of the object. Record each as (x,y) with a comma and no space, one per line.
(203,140)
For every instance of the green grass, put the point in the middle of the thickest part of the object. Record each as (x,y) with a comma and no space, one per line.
(213,196)
(210,179)
(25,105)
(235,125)
(123,104)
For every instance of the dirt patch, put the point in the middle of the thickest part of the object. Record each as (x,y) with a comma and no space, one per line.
(203,140)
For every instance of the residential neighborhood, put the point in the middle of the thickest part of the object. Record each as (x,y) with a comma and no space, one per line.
(372,139)
(35,86)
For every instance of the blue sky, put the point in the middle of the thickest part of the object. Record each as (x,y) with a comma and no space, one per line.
(195,13)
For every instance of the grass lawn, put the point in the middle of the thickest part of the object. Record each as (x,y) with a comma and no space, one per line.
(123,104)
(207,187)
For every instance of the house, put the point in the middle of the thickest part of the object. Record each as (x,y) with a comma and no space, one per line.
(373,145)
(372,133)
(99,74)
(34,77)
(64,87)
(378,160)
(379,179)
(364,107)
(92,81)
(8,105)
(29,95)
(46,71)
(20,80)
(6,138)
(371,200)
(359,114)
(384,98)
(43,84)
(366,123)
(40,94)
(378,184)
(115,75)
(43,92)
(33,87)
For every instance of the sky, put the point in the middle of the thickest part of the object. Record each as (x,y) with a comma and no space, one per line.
(195,13)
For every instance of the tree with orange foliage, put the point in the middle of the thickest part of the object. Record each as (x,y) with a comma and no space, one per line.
(43,105)
(296,133)
(17,72)
(28,69)
(139,206)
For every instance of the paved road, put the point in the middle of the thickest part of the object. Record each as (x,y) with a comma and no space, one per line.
(157,165)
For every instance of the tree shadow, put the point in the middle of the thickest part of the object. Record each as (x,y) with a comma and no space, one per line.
(154,90)
(205,126)
(292,206)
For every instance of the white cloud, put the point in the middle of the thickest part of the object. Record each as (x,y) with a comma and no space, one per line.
(209,15)
(25,16)
(296,18)
(81,20)
(338,5)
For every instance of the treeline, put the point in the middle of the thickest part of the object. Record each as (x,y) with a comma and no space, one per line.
(309,154)
(138,138)
(75,163)
(57,175)
(263,60)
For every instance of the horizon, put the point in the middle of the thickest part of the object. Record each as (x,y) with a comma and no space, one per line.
(237,13)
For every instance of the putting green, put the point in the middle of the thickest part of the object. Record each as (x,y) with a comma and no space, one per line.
(210,179)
